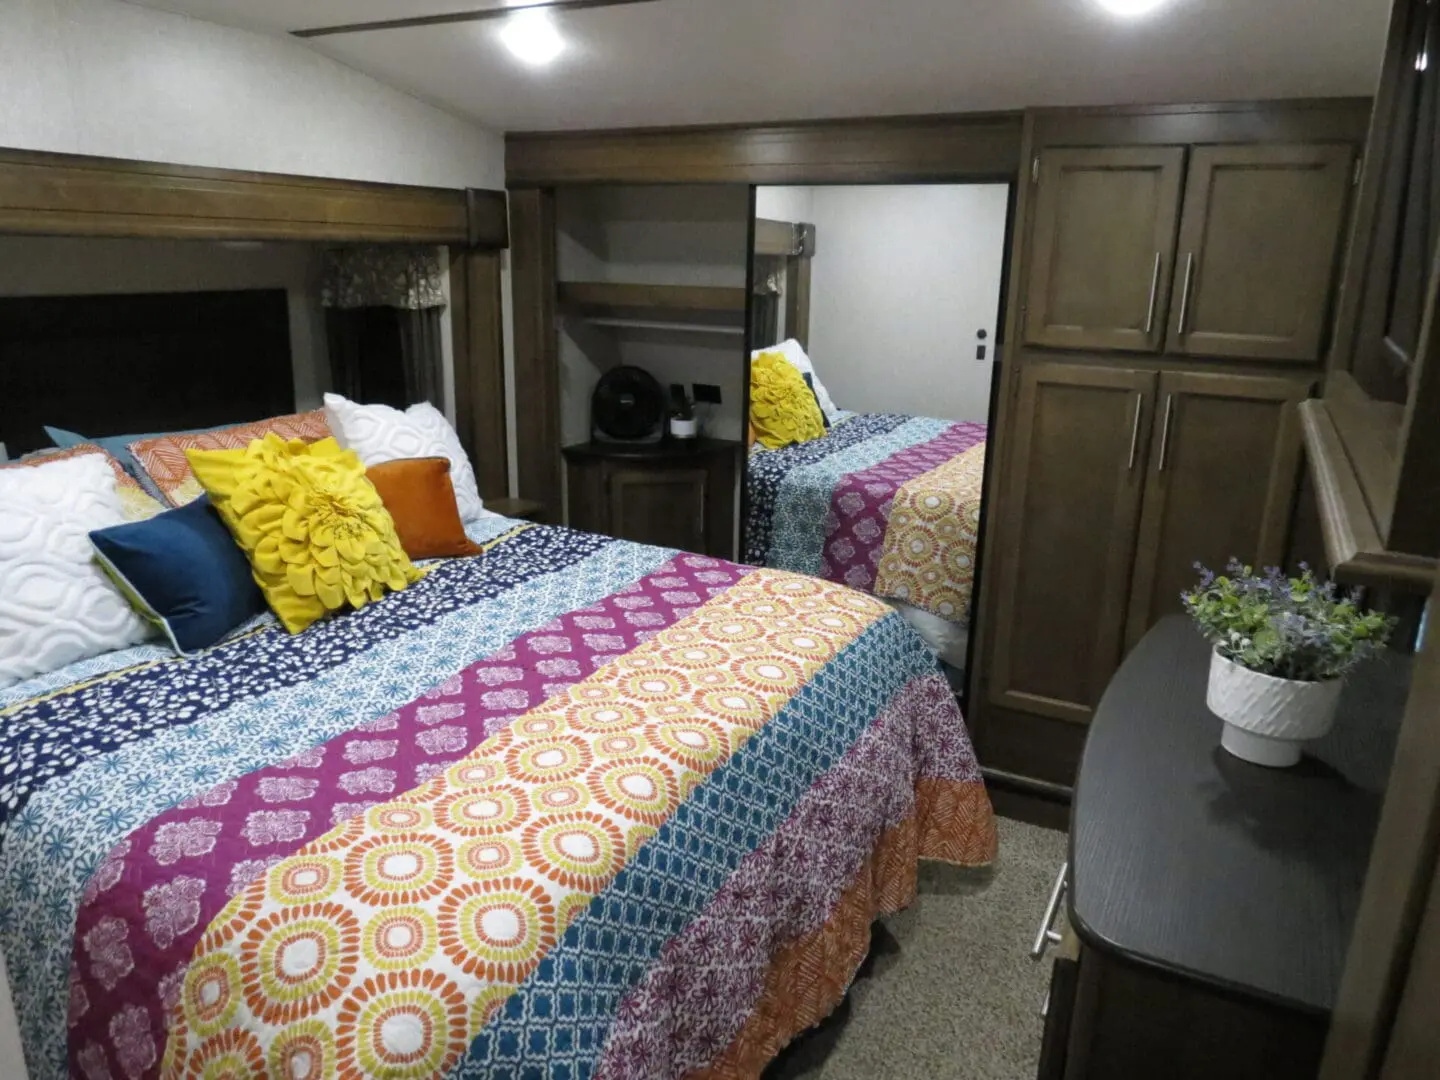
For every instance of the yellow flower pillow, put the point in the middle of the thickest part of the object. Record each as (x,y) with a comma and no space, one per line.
(316,533)
(783,410)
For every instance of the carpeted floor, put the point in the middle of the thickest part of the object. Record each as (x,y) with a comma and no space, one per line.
(949,991)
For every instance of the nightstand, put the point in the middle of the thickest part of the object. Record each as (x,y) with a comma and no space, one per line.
(528,509)
(677,493)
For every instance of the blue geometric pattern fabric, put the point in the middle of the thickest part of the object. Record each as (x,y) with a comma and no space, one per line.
(134,743)
(768,468)
(554,1026)
(802,507)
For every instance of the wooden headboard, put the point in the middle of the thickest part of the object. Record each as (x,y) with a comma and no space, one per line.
(116,365)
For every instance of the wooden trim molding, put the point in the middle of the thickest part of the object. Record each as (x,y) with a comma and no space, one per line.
(1352,542)
(775,239)
(1313,120)
(979,146)
(74,195)
(537,350)
(1392,927)
(475,316)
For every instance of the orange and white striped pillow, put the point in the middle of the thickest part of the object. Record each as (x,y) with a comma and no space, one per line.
(163,458)
(138,503)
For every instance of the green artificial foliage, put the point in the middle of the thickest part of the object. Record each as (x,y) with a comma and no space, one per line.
(1291,628)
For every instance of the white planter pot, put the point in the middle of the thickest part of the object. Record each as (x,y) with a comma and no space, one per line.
(1269,720)
(684,429)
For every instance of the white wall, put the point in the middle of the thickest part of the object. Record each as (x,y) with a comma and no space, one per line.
(793,204)
(691,235)
(902,279)
(107,78)
(116,80)
(69,266)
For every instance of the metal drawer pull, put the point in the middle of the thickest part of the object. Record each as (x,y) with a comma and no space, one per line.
(1048,936)
(1135,431)
(1154,291)
(1165,434)
(1185,294)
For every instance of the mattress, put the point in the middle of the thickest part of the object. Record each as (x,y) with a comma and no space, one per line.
(884,503)
(572,807)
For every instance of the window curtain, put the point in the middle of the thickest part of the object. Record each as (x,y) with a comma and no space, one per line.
(382,321)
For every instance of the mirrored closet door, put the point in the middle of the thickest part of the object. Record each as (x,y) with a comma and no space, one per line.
(873,335)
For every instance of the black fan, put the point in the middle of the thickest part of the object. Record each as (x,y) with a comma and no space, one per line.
(628,406)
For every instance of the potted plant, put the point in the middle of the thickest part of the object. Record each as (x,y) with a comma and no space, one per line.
(1282,649)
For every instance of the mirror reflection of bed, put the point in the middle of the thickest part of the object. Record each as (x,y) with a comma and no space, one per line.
(885,300)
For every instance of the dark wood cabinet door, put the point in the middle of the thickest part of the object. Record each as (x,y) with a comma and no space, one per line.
(1070,509)
(1260,242)
(1223,473)
(1102,252)
(665,507)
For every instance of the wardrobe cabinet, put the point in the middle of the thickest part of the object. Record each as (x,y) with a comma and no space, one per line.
(1068,525)
(1259,248)
(1119,481)
(1227,252)
(1104,245)
(1226,457)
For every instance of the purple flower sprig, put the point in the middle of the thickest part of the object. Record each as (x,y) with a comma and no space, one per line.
(1291,628)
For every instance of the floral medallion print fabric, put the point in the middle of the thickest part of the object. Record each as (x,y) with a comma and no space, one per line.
(567,808)
(886,504)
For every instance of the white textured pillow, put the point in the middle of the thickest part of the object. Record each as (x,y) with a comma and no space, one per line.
(378,433)
(795,354)
(56,604)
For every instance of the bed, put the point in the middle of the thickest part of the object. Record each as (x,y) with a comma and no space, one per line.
(885,503)
(573,807)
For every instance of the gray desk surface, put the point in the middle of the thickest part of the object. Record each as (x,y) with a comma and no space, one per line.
(1189,860)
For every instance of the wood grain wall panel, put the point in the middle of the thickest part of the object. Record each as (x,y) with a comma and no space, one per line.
(975,147)
(72,195)
(475,313)
(537,360)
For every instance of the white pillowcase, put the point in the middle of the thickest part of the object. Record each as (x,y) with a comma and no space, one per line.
(378,433)
(56,604)
(795,354)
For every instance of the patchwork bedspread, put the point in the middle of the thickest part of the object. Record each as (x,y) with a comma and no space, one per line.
(572,808)
(884,503)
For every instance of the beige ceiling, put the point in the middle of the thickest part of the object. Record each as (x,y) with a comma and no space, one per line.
(713,61)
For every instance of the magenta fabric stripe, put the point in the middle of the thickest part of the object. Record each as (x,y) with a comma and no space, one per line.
(147,906)
(860,504)
(697,996)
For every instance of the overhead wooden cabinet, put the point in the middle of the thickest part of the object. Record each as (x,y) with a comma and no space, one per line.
(1104,247)
(1119,482)
(1071,506)
(1234,256)
(1226,457)
(1259,250)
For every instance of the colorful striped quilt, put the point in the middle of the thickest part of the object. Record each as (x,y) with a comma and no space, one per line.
(883,503)
(572,808)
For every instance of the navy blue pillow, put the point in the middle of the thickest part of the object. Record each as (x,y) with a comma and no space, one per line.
(183,571)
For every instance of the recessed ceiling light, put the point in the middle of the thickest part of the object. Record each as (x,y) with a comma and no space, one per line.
(531,34)
(1130,7)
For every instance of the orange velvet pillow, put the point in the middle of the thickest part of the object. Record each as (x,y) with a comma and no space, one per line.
(420,497)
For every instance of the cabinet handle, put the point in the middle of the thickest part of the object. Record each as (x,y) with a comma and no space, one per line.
(1165,432)
(1135,430)
(1046,935)
(1154,292)
(1185,293)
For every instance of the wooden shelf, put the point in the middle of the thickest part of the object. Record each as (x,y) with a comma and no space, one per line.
(603,297)
(1352,542)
